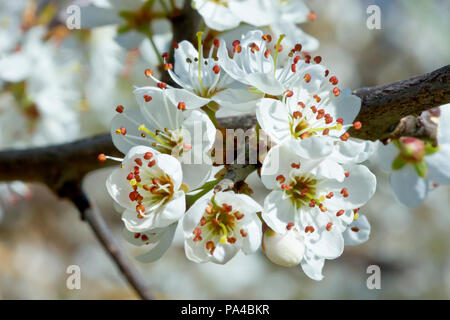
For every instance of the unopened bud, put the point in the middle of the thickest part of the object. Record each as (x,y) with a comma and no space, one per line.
(286,250)
(412,149)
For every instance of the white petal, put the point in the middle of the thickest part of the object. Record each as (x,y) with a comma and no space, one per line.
(315,147)
(438,165)
(160,112)
(312,266)
(273,117)
(278,212)
(161,247)
(265,82)
(224,252)
(240,202)
(172,167)
(195,175)
(330,244)
(254,12)
(385,155)
(354,237)
(360,184)
(195,213)
(191,100)
(252,241)
(352,150)
(408,187)
(217,17)
(240,100)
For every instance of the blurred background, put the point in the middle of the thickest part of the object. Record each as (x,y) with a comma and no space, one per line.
(40,236)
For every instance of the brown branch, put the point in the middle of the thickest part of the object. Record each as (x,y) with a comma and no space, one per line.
(92,215)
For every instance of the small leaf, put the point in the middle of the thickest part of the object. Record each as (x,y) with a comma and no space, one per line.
(421,169)
(398,163)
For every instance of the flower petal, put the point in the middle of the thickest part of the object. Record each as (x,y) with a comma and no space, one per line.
(358,232)
(312,265)
(408,187)
(161,247)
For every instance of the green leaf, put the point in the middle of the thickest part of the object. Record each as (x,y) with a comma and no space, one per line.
(398,163)
(421,169)
(430,149)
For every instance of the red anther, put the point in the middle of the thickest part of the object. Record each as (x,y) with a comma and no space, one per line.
(330,195)
(344,192)
(137,177)
(156,181)
(289,225)
(123,130)
(138,161)
(209,208)
(146,187)
(312,203)
(328,119)
(347,174)
(215,221)
(297,114)
(162,85)
(149,73)
(216,69)
(357,125)
(175,45)
(307,77)
(147,98)
(317,98)
(165,55)
(334,80)
(120,108)
(216,43)
(151,163)
(319,116)
(181,106)
(280,47)
(326,131)
(101,157)
(301,104)
(137,235)
(197,238)
(307,58)
(293,68)
(296,59)
(355,229)
(289,93)
(148,155)
(254,47)
(168,66)
(285,186)
(140,216)
(237,49)
(298,47)
(210,246)
(280,178)
(327,72)
(314,109)
(130,176)
(231,240)
(317,59)
(140,208)
(304,191)
(227,207)
(144,238)
(312,16)
(243,233)
(295,165)
(336,91)
(238,215)
(356,210)
(340,213)
(329,225)
(340,120)
(236,43)
(133,195)
(202,221)
(322,207)
(309,229)
(345,136)
(305,135)
(267,53)
(197,231)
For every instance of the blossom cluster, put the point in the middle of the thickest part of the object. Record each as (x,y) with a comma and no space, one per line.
(313,172)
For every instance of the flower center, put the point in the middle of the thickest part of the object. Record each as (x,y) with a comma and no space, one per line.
(152,188)
(218,225)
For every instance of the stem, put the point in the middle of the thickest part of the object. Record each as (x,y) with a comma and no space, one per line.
(212,115)
(208,186)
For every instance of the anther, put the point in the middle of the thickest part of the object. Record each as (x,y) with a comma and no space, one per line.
(119,109)
(289,225)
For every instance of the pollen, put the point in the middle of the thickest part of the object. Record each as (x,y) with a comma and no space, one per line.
(149,73)
(119,109)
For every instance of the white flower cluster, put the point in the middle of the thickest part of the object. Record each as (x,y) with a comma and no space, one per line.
(313,173)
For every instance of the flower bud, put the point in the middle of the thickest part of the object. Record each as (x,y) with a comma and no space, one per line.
(286,250)
(412,149)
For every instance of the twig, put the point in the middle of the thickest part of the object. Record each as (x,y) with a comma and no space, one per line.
(94,218)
